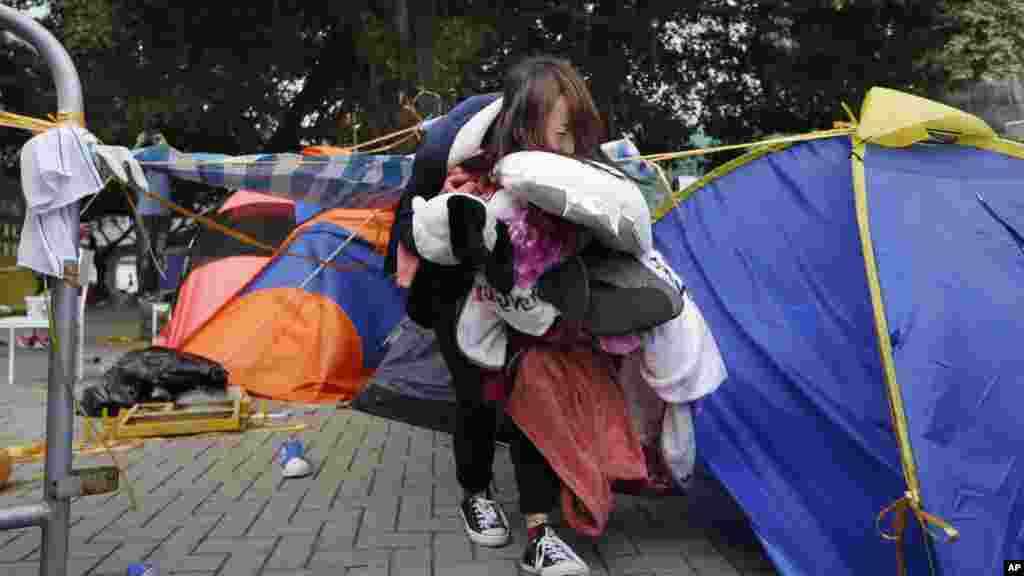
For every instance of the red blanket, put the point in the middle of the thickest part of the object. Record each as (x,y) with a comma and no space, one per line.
(569,405)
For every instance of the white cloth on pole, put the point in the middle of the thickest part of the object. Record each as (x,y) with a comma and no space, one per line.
(57,170)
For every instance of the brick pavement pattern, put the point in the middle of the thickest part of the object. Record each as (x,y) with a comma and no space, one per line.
(382,502)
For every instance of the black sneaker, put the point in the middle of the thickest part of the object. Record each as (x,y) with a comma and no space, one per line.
(484,520)
(549,555)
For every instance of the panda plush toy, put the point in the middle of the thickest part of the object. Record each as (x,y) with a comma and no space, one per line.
(613,284)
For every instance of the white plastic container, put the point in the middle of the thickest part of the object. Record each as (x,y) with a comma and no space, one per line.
(38,306)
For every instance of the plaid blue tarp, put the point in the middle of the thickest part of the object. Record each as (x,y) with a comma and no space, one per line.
(350,181)
(347,181)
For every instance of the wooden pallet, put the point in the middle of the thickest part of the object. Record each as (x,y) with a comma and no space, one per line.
(168,419)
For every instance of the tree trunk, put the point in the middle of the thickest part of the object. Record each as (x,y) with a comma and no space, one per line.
(426,23)
(404,20)
(606,72)
(380,105)
(402,24)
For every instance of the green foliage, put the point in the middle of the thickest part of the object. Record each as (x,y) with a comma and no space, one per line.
(458,42)
(458,46)
(986,40)
(88,25)
(378,42)
(274,75)
(787,65)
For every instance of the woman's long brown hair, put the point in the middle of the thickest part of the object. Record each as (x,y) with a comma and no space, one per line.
(531,90)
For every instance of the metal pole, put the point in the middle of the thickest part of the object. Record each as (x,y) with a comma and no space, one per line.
(64,304)
(18,517)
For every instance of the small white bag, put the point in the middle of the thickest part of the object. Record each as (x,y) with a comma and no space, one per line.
(646,410)
(678,443)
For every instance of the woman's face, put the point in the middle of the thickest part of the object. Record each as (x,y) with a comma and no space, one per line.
(558,134)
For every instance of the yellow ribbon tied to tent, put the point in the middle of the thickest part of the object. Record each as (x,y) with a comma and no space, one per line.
(908,120)
(899,510)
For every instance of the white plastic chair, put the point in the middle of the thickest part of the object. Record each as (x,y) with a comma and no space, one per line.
(13,323)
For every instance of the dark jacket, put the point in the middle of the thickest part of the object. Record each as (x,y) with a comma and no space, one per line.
(435,288)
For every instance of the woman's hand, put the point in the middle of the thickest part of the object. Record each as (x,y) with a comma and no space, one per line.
(459,180)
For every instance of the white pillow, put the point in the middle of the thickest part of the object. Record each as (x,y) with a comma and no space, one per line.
(431,231)
(681,360)
(601,198)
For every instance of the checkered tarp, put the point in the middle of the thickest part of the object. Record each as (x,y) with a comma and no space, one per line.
(351,181)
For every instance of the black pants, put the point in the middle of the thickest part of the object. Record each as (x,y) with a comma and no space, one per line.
(476,424)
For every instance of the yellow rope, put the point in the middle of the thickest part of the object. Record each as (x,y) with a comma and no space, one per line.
(394,145)
(411,132)
(816,135)
(911,501)
(400,137)
(12,120)
(422,92)
(105,445)
(412,108)
(350,149)
(249,240)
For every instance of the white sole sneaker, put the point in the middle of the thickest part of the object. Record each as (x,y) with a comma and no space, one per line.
(566,563)
(576,571)
(486,540)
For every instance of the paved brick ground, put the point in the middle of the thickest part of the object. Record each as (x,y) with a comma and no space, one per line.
(382,502)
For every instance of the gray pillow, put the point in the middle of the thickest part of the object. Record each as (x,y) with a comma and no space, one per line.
(599,198)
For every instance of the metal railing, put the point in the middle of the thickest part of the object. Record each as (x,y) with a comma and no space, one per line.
(53,513)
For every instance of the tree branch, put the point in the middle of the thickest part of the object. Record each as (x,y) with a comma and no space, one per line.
(322,79)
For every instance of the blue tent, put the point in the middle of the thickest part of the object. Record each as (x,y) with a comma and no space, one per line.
(862,287)
(802,433)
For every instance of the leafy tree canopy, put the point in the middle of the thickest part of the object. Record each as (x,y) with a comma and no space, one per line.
(272,76)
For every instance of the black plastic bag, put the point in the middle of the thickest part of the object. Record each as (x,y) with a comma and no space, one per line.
(176,372)
(155,374)
(96,396)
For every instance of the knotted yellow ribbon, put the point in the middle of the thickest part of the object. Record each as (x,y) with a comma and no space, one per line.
(899,509)
(37,125)
(911,501)
(61,118)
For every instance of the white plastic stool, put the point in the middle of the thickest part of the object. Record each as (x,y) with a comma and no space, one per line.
(15,323)
(157,309)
